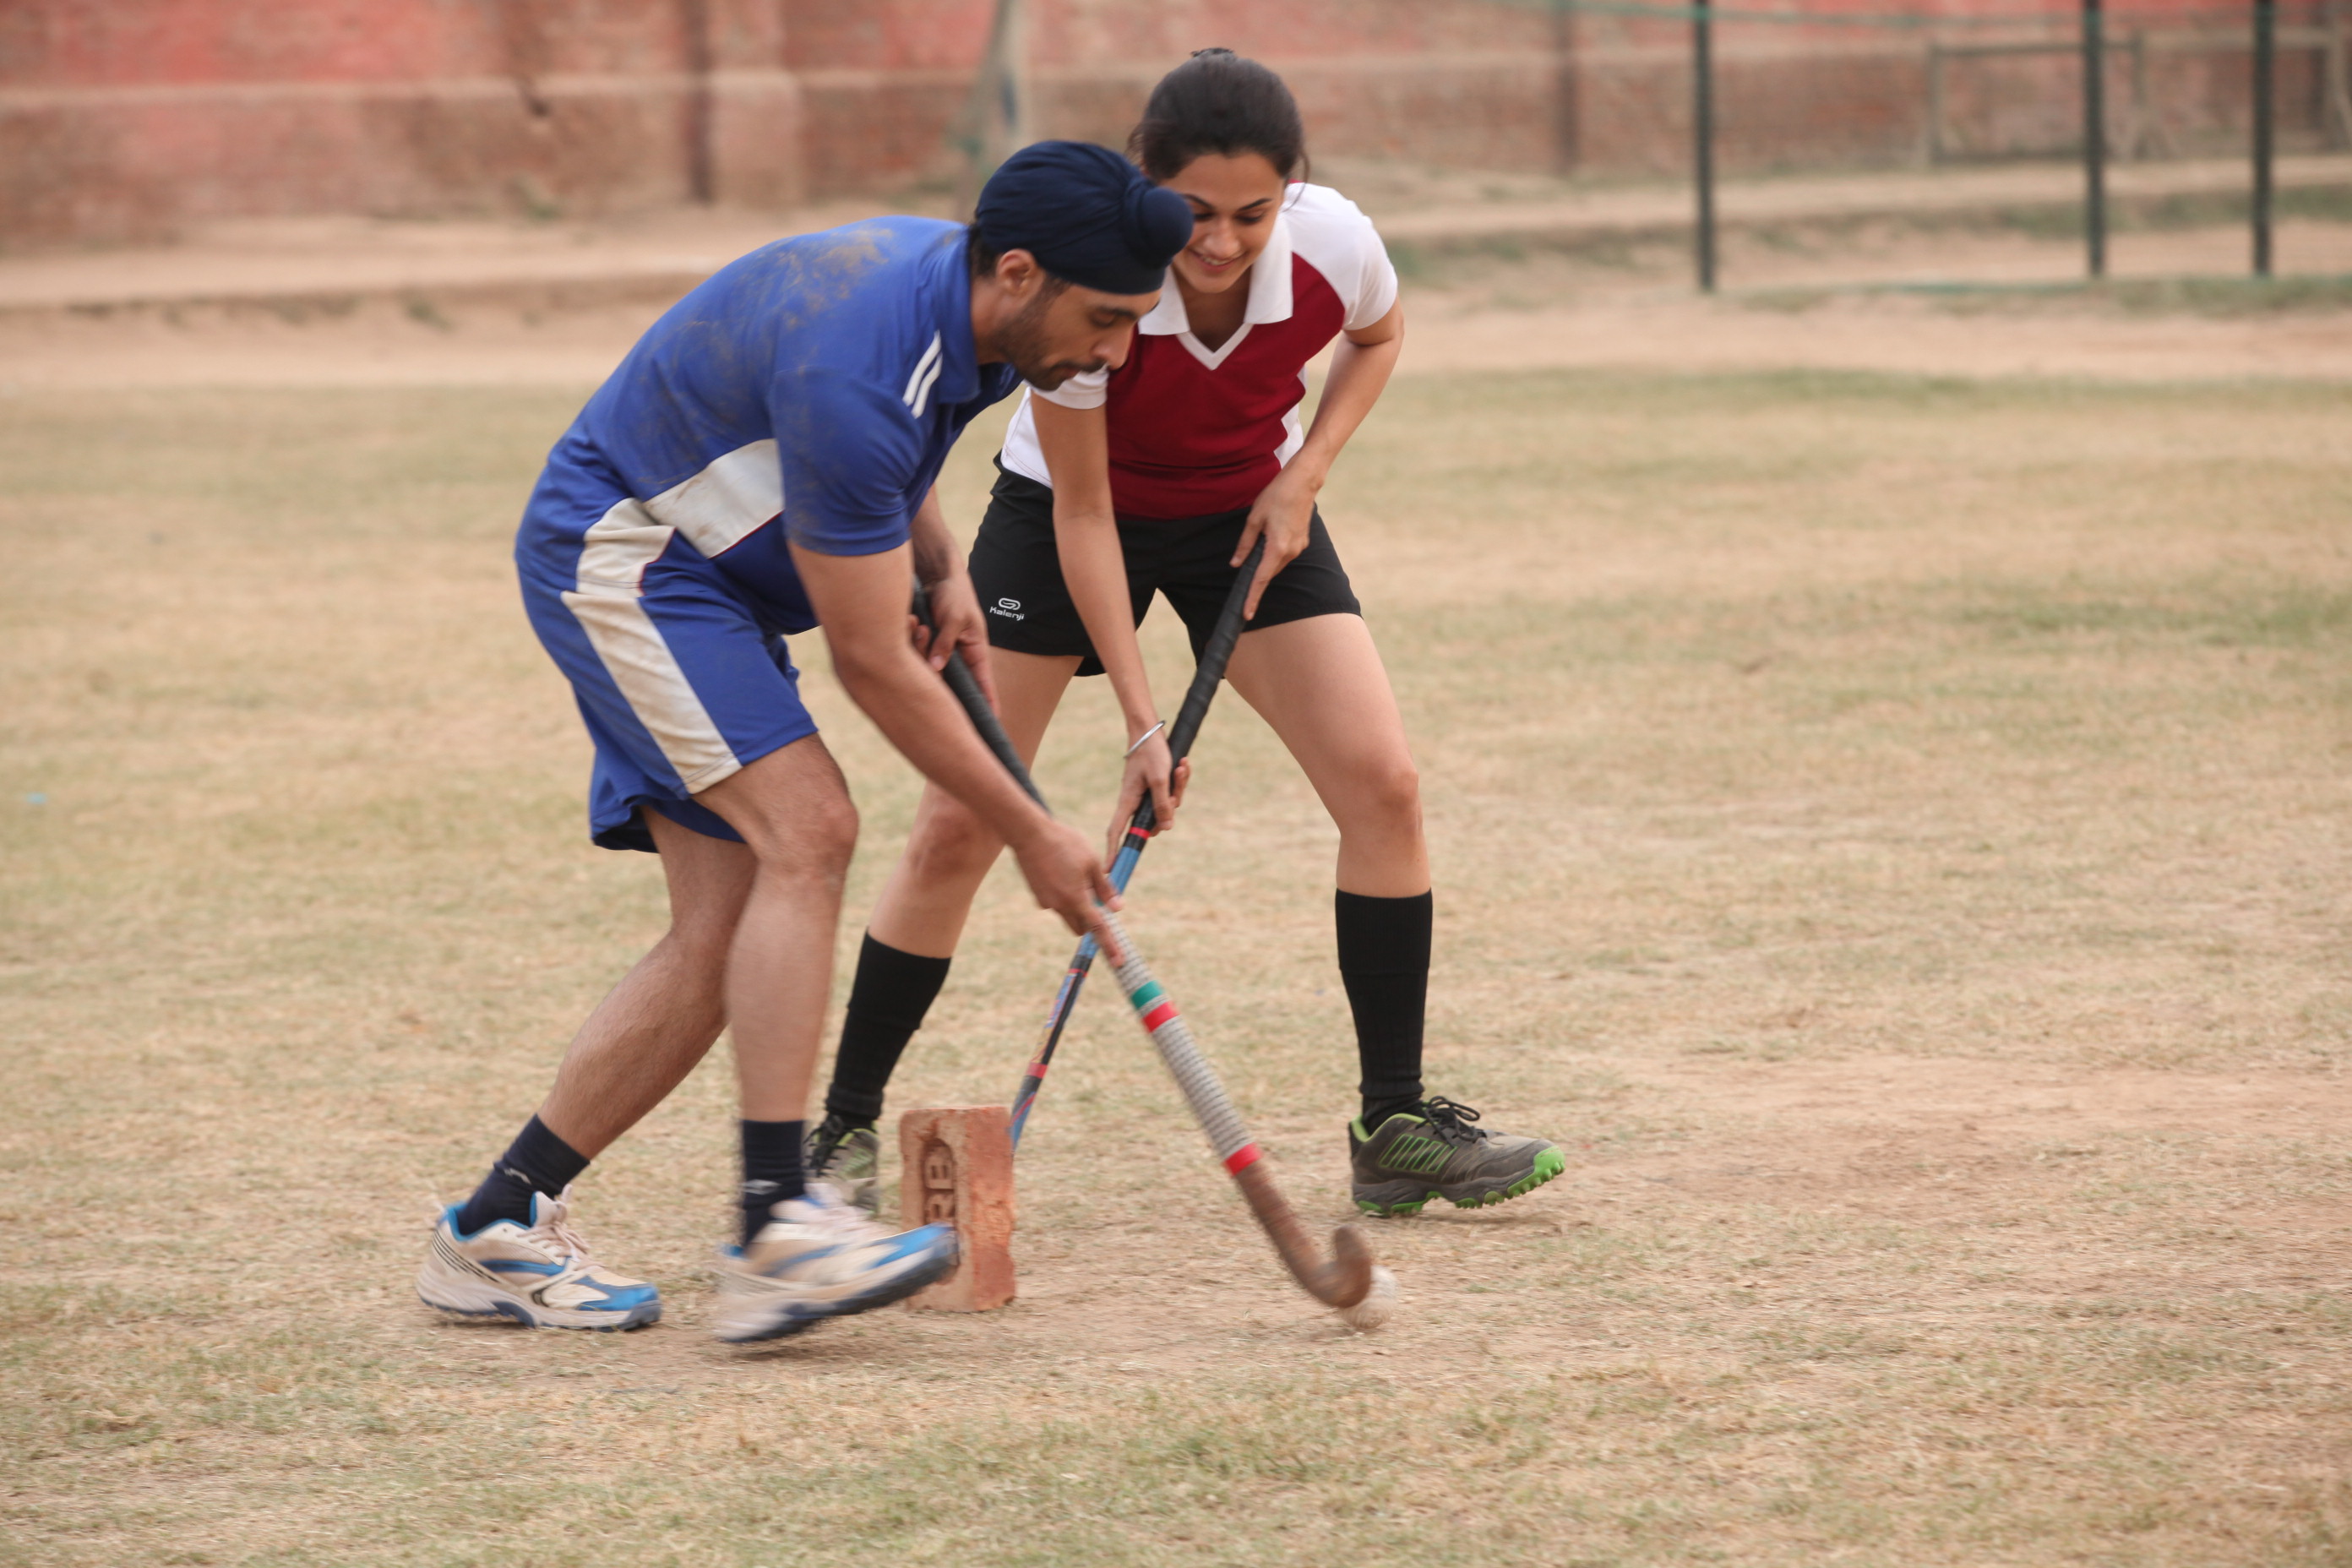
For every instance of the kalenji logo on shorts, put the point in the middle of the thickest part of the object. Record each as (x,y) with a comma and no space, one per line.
(1009,608)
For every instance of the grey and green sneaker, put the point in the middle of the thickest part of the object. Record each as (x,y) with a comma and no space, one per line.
(848,1155)
(1432,1151)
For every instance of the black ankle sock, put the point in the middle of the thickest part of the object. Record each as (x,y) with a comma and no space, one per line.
(771,1169)
(536,1162)
(888,1000)
(1384,964)
(1376,1114)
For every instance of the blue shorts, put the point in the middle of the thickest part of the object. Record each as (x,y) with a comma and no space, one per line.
(678,679)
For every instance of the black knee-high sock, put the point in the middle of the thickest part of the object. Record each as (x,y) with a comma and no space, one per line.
(771,1169)
(536,1162)
(1384,964)
(888,1000)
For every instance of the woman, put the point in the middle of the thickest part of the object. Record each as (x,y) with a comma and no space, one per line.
(1159,475)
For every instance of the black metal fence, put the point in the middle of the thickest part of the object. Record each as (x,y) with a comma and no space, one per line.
(2100,42)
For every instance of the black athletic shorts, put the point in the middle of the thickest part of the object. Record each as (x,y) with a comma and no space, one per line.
(1017,572)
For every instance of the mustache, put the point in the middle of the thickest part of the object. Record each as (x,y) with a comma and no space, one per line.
(1052,376)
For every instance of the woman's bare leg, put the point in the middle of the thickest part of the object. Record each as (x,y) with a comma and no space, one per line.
(1320,684)
(662,1019)
(792,808)
(924,904)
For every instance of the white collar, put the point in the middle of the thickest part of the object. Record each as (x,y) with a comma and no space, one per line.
(1269,288)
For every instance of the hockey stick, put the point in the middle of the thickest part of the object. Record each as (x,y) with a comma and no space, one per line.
(1350,1281)
(1207,675)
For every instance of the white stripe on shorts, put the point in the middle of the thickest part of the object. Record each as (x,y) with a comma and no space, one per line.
(609,605)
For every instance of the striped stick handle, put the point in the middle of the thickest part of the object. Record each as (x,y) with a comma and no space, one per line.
(1343,1281)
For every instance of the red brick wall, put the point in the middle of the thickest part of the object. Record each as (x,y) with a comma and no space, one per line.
(130,118)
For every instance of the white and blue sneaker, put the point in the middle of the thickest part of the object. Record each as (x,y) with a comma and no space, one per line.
(818,1258)
(539,1274)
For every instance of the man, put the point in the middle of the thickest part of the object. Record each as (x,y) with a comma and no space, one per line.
(761,463)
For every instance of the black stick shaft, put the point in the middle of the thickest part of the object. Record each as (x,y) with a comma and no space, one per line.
(1207,675)
(966,686)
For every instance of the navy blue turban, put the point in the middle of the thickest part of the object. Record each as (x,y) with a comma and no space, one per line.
(1086,215)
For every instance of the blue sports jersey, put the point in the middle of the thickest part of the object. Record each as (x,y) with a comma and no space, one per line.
(807,393)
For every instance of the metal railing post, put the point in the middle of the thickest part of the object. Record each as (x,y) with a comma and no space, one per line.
(1935,103)
(2265,90)
(1703,134)
(2094,137)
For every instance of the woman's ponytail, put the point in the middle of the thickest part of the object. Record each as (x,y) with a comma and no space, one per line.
(1218,102)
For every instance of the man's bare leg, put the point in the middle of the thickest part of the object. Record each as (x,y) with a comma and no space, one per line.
(792,808)
(642,1039)
(662,1019)
(804,1256)
(751,942)
(666,1014)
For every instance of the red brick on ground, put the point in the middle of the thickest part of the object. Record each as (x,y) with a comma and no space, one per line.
(956,1169)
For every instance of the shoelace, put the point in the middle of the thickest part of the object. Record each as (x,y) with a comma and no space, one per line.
(1451,1120)
(559,1237)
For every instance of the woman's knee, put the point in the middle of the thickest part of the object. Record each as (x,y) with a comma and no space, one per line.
(1386,797)
(948,845)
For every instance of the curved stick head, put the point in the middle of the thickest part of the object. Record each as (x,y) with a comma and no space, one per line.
(1345,1280)
(1342,1281)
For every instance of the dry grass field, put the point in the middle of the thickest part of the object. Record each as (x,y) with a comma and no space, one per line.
(1892,832)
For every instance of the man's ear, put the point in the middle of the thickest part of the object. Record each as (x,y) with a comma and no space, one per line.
(1018,274)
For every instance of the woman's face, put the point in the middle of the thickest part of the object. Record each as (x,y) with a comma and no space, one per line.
(1234,202)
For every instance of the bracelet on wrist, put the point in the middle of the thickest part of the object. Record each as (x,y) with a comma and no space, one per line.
(1157,725)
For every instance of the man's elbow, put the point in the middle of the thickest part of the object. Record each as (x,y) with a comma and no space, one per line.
(861,662)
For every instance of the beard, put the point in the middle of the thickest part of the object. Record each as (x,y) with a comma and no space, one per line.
(1023,344)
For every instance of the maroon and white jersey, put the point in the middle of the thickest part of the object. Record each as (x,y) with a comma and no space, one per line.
(1196,430)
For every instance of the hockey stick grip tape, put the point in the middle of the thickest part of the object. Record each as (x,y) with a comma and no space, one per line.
(1173,1040)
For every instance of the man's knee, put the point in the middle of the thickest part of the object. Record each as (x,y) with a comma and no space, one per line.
(814,842)
(792,808)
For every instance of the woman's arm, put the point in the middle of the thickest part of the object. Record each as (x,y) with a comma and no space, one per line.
(1076,446)
(1360,371)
